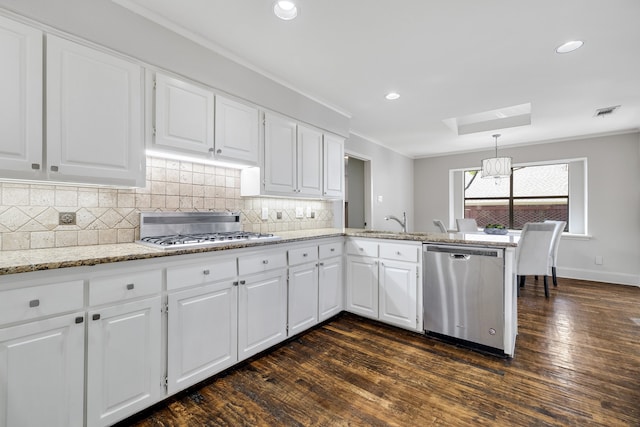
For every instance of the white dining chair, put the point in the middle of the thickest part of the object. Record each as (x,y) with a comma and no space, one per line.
(533,253)
(466,225)
(440,225)
(557,232)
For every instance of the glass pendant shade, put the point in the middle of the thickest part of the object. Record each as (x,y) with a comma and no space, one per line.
(496,167)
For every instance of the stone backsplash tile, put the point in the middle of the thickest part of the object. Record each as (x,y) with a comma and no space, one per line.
(29,213)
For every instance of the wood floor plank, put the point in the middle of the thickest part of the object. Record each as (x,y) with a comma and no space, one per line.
(577,363)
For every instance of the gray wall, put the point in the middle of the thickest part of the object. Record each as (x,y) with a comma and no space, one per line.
(613,164)
(392,176)
(105,23)
(355,193)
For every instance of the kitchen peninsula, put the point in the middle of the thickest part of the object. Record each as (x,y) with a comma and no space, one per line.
(151,308)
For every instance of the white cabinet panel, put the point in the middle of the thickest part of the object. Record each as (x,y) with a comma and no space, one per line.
(184,115)
(123,359)
(236,131)
(20,100)
(42,373)
(330,290)
(202,333)
(362,286)
(94,116)
(262,312)
(398,293)
(309,158)
(333,166)
(303,297)
(279,155)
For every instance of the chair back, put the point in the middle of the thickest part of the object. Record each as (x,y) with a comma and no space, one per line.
(440,225)
(534,248)
(466,225)
(557,232)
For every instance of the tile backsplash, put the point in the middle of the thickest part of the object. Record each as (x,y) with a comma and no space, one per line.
(30,213)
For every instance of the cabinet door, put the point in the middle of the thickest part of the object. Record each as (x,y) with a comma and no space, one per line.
(262,312)
(309,162)
(303,297)
(42,373)
(94,116)
(362,286)
(279,155)
(330,288)
(184,115)
(123,360)
(398,293)
(20,100)
(236,131)
(333,166)
(202,333)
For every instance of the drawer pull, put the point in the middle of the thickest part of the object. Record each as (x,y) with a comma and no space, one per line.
(322,263)
(333,249)
(265,261)
(398,253)
(242,282)
(34,303)
(305,254)
(130,286)
(96,316)
(206,272)
(79,319)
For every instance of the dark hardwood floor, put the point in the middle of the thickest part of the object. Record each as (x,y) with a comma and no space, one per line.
(577,363)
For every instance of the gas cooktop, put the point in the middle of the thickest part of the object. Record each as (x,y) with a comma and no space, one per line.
(181,230)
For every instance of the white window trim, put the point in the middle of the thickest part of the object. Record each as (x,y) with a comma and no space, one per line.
(579,215)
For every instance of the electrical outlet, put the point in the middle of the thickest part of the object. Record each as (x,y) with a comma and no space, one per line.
(279,215)
(299,213)
(313,214)
(265,213)
(308,211)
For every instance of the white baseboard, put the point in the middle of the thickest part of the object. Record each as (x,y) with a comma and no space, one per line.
(600,276)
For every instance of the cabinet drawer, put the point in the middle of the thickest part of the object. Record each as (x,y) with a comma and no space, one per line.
(38,301)
(400,252)
(301,255)
(257,263)
(103,290)
(362,248)
(201,273)
(329,250)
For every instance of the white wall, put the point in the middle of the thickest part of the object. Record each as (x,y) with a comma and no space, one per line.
(392,178)
(105,23)
(613,181)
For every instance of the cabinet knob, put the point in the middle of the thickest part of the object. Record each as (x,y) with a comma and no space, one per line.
(130,286)
(96,316)
(305,254)
(235,283)
(79,319)
(206,272)
(54,169)
(34,303)
(242,282)
(322,263)
(398,253)
(211,150)
(218,151)
(265,261)
(333,249)
(35,166)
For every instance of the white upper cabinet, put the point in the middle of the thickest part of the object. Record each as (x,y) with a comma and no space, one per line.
(333,166)
(94,116)
(309,162)
(183,116)
(20,100)
(279,155)
(236,131)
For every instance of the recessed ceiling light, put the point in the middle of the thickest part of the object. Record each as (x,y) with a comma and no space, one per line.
(285,9)
(569,46)
(392,95)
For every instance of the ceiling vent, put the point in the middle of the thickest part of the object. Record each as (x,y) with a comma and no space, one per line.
(607,111)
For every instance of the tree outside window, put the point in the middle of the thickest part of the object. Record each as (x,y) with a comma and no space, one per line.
(531,194)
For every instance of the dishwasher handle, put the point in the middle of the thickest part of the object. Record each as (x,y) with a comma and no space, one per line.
(464,251)
(460,256)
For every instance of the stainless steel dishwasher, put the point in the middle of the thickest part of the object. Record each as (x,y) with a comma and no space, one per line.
(464,293)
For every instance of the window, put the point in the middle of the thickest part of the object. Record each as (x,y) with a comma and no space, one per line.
(532,194)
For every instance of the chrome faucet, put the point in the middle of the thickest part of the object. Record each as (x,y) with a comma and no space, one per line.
(402,223)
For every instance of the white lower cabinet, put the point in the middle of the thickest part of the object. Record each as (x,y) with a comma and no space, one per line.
(42,373)
(303,297)
(384,281)
(330,291)
(202,333)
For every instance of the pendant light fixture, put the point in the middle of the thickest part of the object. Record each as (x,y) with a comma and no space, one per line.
(496,167)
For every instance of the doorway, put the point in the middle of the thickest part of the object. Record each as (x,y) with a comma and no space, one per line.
(358,192)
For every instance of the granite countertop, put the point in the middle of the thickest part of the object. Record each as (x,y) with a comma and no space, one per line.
(22,261)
